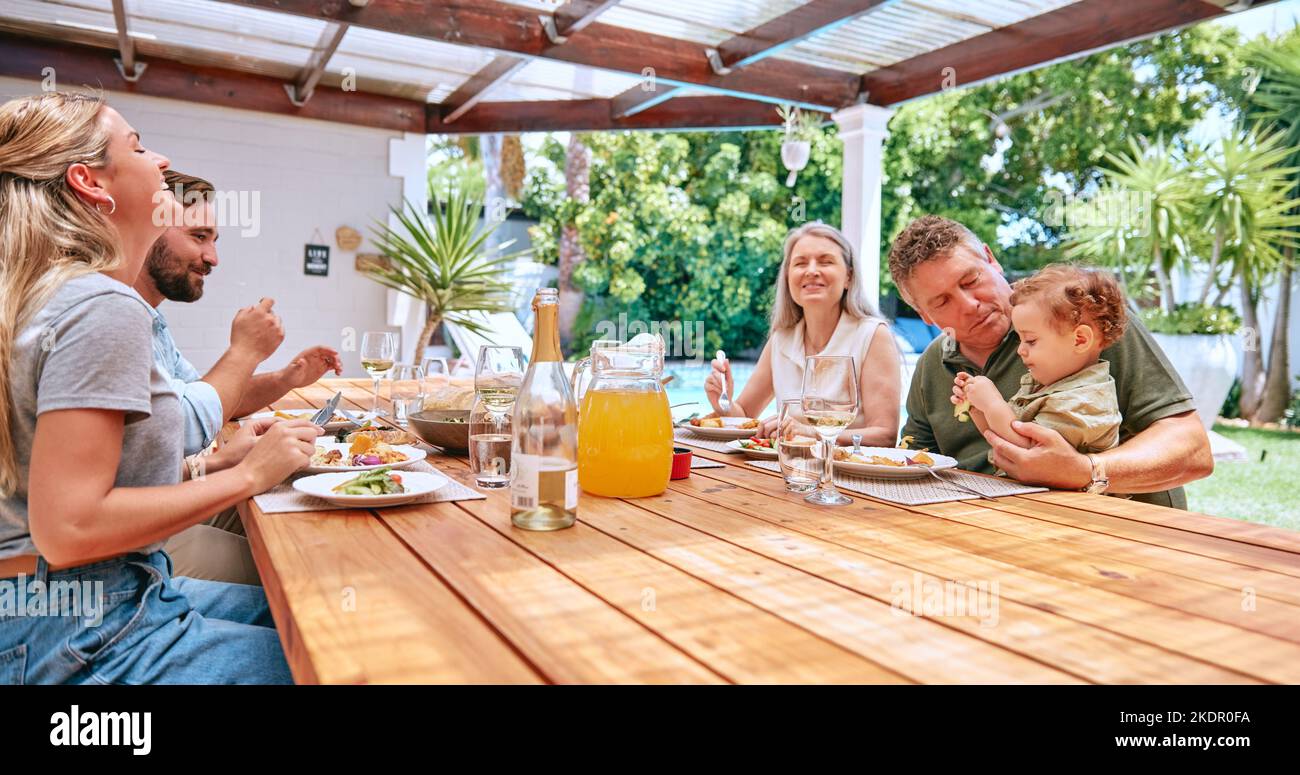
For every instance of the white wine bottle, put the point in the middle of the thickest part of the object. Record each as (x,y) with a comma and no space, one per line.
(544,452)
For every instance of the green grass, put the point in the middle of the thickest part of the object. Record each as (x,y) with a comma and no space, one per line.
(1265,492)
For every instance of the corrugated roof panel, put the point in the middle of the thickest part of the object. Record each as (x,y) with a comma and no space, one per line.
(909,28)
(708,22)
(546,80)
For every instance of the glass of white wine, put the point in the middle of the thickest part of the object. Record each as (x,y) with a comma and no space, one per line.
(830,402)
(497,377)
(378,351)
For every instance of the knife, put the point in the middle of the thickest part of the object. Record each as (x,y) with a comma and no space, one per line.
(323,416)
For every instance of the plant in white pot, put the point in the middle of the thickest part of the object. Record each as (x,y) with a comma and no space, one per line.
(800,130)
(1201,342)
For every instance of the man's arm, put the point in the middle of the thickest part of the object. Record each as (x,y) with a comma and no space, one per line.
(262,390)
(1169,452)
(255,333)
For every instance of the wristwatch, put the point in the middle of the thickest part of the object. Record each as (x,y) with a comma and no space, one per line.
(1099,481)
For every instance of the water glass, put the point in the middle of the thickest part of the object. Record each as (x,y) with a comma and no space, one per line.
(797,448)
(490,437)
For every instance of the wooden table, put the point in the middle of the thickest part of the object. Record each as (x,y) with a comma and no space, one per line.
(726,578)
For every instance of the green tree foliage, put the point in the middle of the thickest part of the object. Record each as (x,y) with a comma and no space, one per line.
(688,226)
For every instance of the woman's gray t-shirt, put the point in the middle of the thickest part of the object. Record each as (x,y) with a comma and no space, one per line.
(91,347)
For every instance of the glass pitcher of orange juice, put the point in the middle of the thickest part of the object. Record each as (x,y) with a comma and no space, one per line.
(625,429)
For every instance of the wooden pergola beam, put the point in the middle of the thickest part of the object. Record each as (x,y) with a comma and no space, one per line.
(94,68)
(1069,32)
(711,112)
(131,69)
(516,30)
(470,93)
(757,44)
(301,90)
(569,18)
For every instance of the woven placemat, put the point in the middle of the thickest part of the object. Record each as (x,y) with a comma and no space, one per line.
(922,491)
(283,498)
(704,462)
(683,436)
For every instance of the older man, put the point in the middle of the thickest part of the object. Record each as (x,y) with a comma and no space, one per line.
(954,281)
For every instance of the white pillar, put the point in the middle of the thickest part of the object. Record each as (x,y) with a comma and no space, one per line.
(863,131)
(407,159)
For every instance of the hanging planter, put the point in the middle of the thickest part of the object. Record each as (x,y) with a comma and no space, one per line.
(800,129)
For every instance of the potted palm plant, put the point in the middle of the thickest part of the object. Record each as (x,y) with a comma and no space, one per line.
(443,261)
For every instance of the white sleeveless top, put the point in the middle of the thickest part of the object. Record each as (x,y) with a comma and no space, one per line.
(852,337)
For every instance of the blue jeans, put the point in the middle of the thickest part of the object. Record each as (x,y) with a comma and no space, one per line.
(135,624)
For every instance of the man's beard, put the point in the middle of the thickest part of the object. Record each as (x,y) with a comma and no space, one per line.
(171,279)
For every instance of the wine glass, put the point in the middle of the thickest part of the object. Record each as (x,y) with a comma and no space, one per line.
(830,402)
(378,351)
(497,377)
(406,391)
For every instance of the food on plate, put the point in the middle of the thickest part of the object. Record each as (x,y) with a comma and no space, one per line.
(365,451)
(716,422)
(380,481)
(844,455)
(388,436)
(754,442)
(906,443)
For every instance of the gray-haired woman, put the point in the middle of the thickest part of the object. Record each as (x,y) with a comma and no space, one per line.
(820,309)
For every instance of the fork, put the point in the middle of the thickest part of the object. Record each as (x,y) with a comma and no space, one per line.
(724,399)
(955,483)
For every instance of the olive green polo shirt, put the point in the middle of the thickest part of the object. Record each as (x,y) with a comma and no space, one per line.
(1146,385)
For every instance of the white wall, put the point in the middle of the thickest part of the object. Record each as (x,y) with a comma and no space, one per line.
(310,175)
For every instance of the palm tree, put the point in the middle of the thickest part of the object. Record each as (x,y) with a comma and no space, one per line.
(442,260)
(577,187)
(1105,233)
(1155,174)
(1276,101)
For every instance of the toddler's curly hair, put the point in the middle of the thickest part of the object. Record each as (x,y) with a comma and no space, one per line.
(1074,295)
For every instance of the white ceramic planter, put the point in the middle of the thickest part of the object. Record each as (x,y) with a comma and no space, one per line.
(794,155)
(1208,364)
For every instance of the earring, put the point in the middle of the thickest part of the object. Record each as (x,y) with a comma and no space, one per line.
(111,201)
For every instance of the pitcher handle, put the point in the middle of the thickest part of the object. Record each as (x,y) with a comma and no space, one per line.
(583,364)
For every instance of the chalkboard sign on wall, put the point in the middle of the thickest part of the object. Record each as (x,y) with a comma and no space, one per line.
(316,260)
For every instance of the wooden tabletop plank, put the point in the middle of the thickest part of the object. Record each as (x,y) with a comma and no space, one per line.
(918,648)
(1137,534)
(571,635)
(352,604)
(738,640)
(1243,651)
(1265,536)
(1077,556)
(1094,654)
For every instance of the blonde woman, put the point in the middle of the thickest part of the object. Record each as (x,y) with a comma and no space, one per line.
(90,428)
(820,309)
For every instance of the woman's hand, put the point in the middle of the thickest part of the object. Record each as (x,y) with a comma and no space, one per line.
(285,447)
(718,380)
(237,447)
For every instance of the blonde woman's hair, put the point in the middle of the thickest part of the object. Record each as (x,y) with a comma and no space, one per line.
(785,312)
(48,235)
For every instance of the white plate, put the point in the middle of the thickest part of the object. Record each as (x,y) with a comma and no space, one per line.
(330,427)
(757,454)
(417,484)
(413,454)
(941,462)
(727,432)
